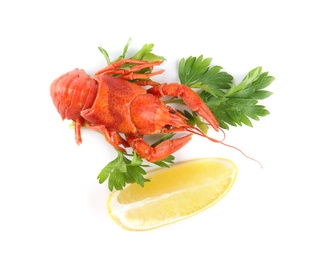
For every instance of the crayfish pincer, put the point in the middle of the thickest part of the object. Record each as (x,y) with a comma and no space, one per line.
(114,102)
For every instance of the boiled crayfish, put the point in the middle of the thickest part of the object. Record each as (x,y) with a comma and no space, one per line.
(124,108)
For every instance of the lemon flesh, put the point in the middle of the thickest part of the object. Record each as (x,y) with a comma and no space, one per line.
(172,194)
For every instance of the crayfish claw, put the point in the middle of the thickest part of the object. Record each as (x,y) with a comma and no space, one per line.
(159,152)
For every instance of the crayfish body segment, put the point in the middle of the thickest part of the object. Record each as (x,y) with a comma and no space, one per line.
(117,105)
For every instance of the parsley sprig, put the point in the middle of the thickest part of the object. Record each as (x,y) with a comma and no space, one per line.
(145,54)
(122,170)
(231,104)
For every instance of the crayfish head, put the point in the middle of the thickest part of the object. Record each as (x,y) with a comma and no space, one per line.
(72,92)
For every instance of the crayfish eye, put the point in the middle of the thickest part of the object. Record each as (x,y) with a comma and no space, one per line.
(169,127)
(171,111)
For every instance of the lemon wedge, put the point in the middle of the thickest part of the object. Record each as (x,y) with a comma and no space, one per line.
(172,194)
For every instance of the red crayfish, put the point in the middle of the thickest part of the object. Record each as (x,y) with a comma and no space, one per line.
(124,108)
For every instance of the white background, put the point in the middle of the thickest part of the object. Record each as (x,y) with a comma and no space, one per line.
(52,206)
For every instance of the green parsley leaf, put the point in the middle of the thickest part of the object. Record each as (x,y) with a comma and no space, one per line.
(105,54)
(116,180)
(121,171)
(165,162)
(194,119)
(136,174)
(197,73)
(122,56)
(145,53)
(189,116)
(125,50)
(240,104)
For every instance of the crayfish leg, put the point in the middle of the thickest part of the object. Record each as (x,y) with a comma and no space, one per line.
(124,73)
(159,152)
(111,137)
(79,122)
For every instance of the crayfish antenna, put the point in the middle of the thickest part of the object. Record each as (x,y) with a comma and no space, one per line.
(248,157)
(197,131)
